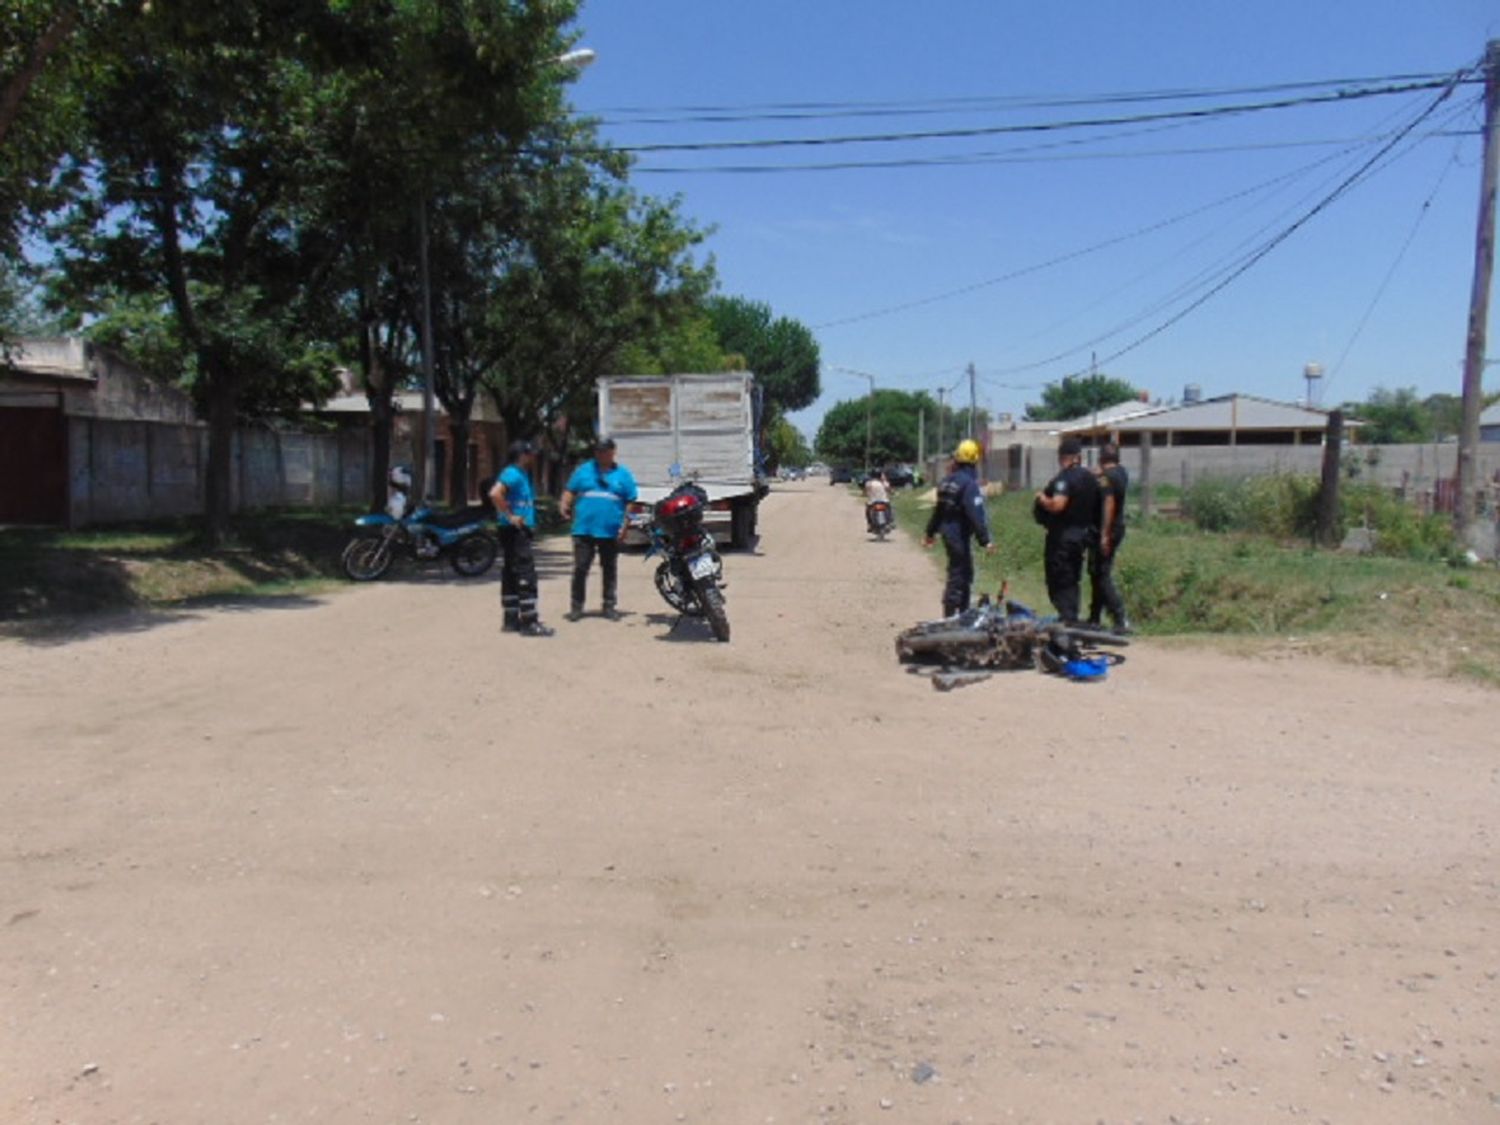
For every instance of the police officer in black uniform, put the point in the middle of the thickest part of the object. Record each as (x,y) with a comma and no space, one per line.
(1114,482)
(958,515)
(1070,505)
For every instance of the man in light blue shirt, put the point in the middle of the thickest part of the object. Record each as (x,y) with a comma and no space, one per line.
(515,508)
(595,498)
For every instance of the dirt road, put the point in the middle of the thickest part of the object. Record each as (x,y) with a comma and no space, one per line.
(366,859)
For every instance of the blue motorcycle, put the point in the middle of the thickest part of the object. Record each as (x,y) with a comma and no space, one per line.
(465,537)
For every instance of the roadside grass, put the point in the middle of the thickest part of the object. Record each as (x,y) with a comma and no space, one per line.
(48,573)
(1254,593)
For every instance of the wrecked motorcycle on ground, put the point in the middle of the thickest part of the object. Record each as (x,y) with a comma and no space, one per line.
(1006,635)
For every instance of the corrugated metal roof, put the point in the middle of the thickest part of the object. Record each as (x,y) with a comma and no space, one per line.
(1108,418)
(1230,412)
(1490,417)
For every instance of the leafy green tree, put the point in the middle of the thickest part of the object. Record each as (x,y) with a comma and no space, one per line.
(1393,417)
(1078,395)
(1445,412)
(620,273)
(893,421)
(209,181)
(689,347)
(785,446)
(782,352)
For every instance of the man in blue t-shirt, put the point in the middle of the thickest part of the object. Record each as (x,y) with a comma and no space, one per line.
(595,498)
(515,509)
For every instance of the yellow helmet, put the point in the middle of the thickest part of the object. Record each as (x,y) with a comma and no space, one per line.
(967,452)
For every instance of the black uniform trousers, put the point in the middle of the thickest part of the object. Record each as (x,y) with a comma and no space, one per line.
(584,549)
(1064,567)
(960,585)
(517,577)
(1103,593)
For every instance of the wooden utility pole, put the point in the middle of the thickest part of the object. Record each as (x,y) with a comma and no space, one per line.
(922,437)
(1479,300)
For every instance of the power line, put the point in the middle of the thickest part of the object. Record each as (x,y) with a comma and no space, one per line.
(1390,273)
(1037,267)
(794,111)
(1239,109)
(1218,269)
(1281,237)
(1015,156)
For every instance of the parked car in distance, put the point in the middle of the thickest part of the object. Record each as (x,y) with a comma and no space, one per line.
(902,476)
(840,474)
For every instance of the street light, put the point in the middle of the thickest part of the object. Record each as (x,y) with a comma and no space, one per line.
(576,60)
(869,407)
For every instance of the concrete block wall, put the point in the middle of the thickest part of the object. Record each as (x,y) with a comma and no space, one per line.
(123,470)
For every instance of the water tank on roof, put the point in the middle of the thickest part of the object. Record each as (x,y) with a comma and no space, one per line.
(1192,393)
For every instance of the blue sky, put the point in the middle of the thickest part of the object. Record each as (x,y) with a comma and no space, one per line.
(1149,215)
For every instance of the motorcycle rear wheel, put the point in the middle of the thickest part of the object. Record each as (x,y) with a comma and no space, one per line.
(711,598)
(473,556)
(366,558)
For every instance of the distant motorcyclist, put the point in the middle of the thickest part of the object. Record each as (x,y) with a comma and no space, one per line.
(877,489)
(958,516)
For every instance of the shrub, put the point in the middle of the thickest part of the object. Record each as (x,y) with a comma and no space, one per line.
(1215,503)
(1401,530)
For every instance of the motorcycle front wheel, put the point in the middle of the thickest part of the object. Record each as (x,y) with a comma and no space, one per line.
(367,558)
(711,598)
(473,556)
(670,587)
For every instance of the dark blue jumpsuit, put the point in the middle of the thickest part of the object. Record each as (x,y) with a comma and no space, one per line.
(958,516)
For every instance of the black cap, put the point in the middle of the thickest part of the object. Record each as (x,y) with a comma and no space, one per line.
(519,449)
(1070,447)
(605,443)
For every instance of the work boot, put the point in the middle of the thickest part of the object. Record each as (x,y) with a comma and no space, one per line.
(1123,626)
(535,629)
(575,613)
(612,614)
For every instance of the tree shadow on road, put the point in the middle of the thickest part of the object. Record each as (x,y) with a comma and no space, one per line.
(64,629)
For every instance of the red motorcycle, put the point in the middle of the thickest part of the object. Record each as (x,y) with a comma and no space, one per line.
(691,574)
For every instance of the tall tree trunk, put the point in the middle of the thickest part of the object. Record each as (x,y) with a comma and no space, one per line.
(458,459)
(382,415)
(218,496)
(15,90)
(380,449)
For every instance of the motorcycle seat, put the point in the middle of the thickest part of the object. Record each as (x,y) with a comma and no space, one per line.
(474,513)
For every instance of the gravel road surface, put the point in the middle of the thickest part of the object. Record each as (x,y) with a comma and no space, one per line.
(363,858)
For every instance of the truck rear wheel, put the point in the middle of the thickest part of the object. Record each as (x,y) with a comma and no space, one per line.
(742,526)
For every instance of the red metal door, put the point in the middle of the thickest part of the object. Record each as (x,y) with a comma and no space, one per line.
(33,465)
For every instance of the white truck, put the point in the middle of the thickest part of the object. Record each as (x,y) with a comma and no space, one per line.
(703,428)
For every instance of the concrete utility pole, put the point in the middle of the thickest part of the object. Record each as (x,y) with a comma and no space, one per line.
(942,422)
(973,408)
(1479,300)
(922,437)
